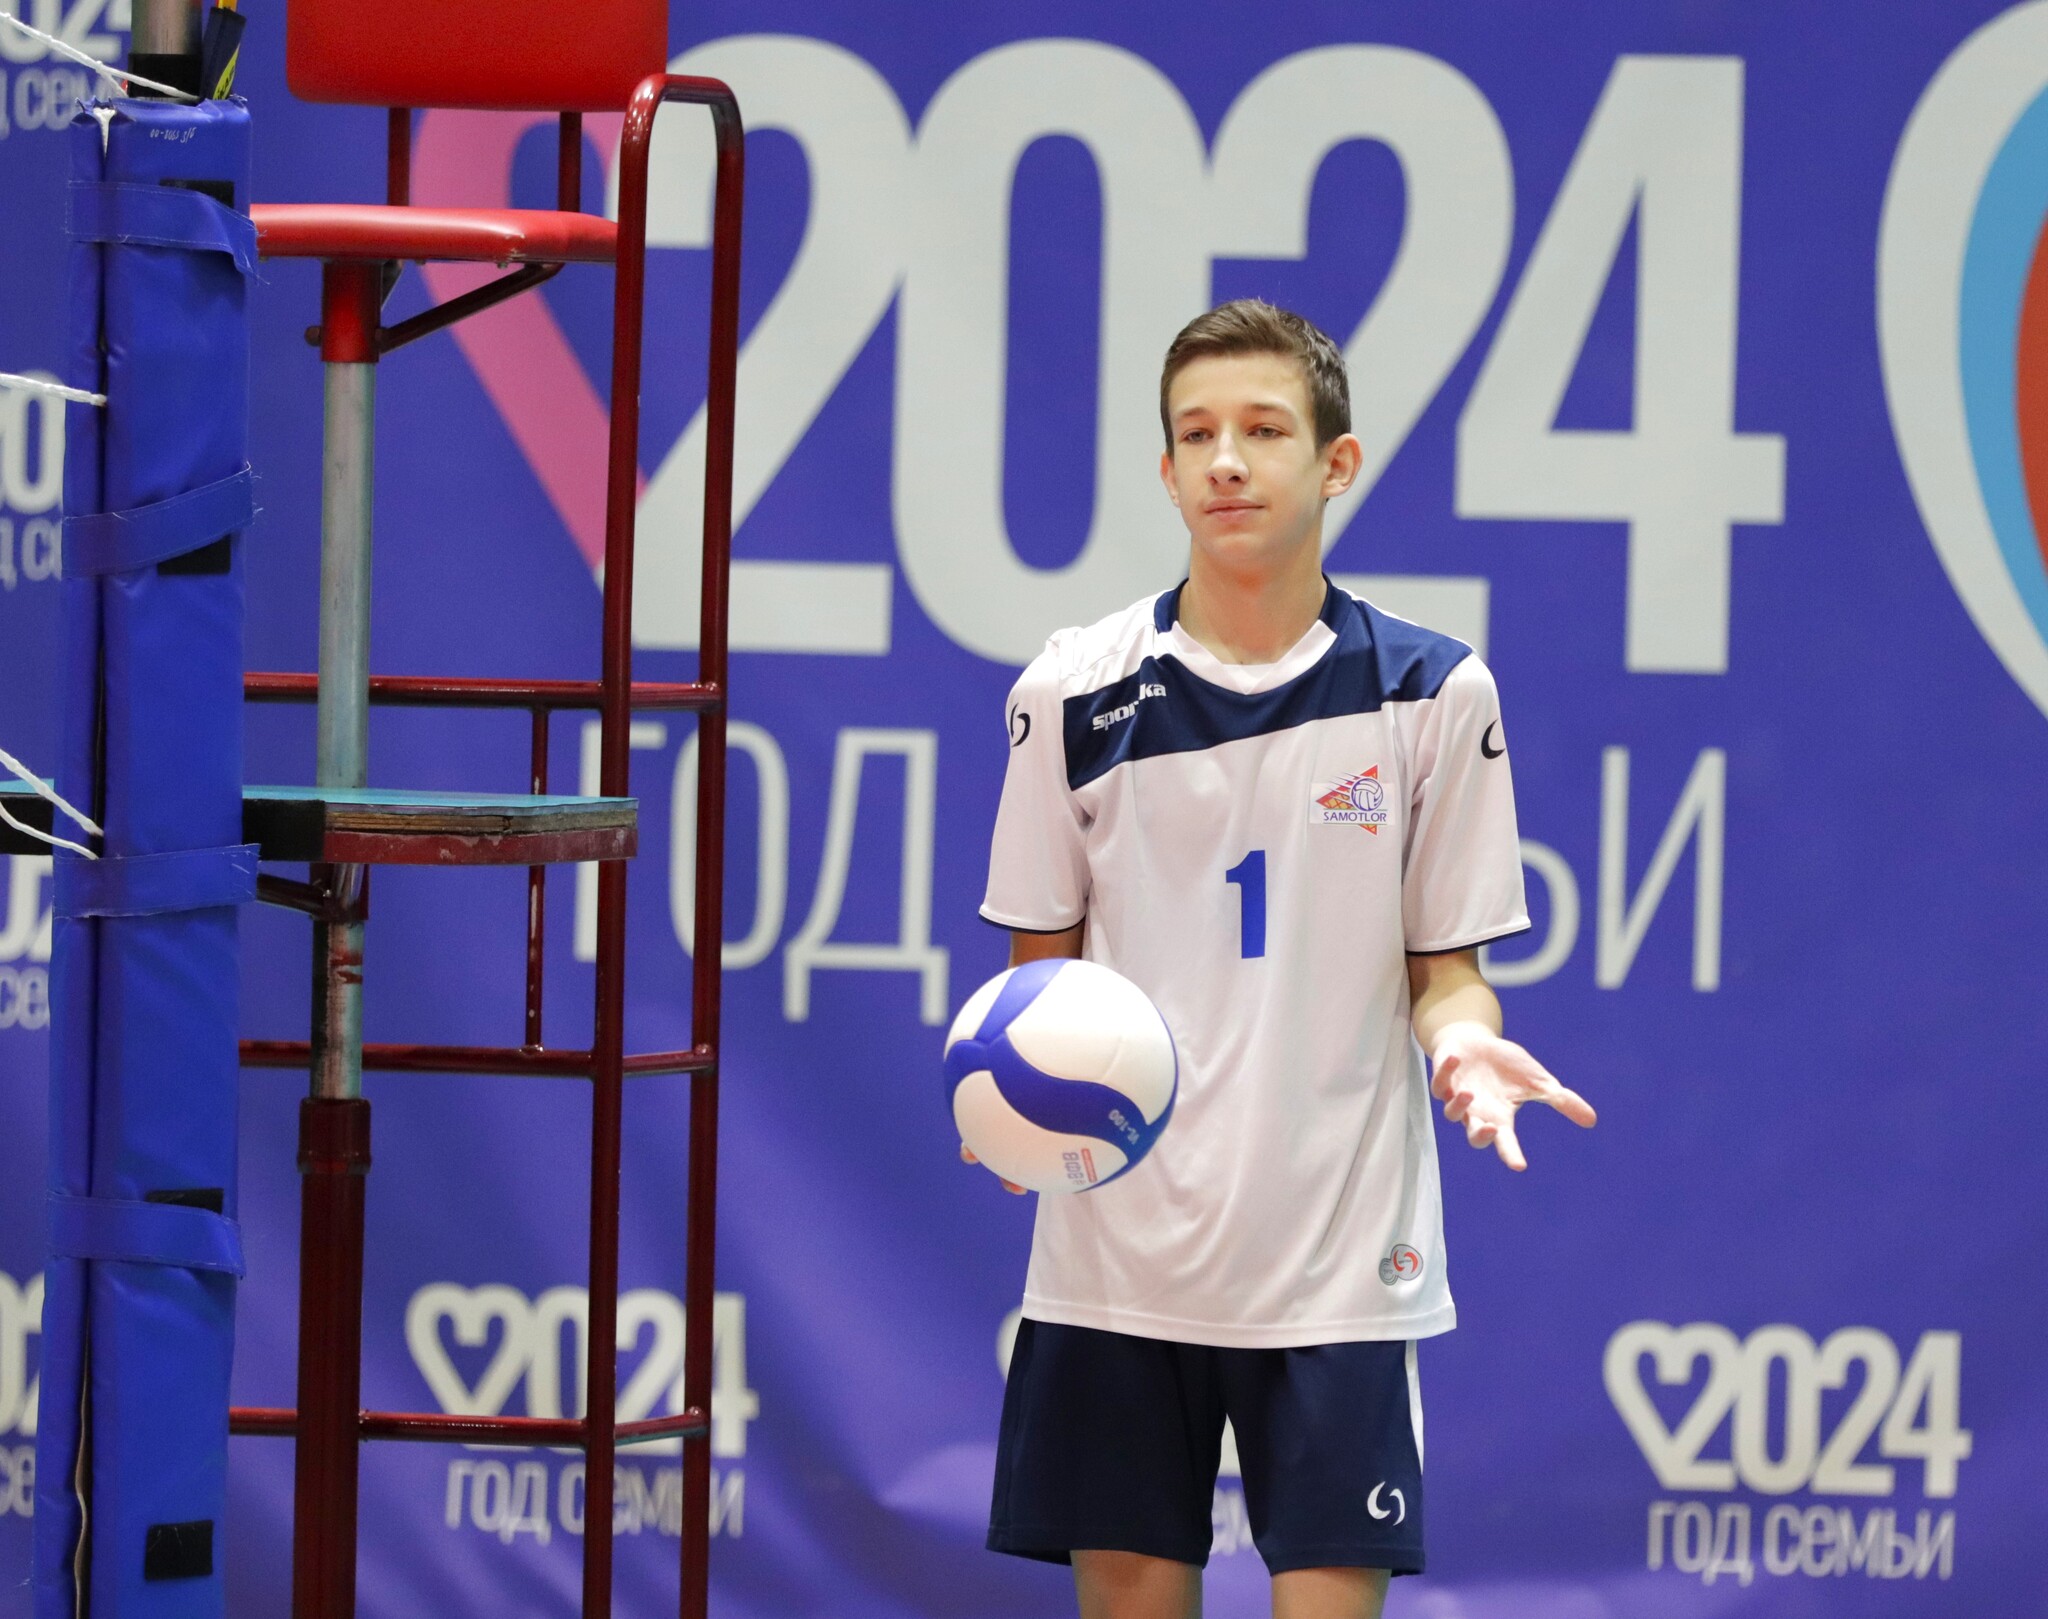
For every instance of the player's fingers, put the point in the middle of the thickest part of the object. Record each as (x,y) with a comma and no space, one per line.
(967,1157)
(1458,1105)
(1480,1132)
(1572,1105)
(1510,1149)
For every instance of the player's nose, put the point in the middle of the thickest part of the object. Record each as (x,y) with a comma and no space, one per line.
(1227,465)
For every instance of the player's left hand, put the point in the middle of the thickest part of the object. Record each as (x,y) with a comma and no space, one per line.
(967,1157)
(1482,1079)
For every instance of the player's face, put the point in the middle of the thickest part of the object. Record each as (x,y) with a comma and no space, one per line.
(1244,468)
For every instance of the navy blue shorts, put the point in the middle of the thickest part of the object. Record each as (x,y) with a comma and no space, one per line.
(1111,1443)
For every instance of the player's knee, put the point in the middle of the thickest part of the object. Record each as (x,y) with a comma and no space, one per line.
(1128,1585)
(1329,1593)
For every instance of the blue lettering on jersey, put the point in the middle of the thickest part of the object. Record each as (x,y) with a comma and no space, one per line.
(1376,660)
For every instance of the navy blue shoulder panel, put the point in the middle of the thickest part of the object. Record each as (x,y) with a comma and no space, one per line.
(1167,608)
(1413,662)
(1164,708)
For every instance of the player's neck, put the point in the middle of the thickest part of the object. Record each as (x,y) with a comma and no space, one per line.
(1253,615)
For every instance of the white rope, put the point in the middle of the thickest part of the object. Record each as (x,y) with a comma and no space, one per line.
(117,77)
(44,790)
(50,838)
(113,75)
(56,390)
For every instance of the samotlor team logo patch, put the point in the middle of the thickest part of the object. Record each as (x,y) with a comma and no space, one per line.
(1357,800)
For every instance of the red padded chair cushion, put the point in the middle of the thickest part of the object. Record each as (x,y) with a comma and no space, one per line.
(529,55)
(348,230)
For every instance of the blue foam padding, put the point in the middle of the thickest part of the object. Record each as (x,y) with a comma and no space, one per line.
(156,884)
(143,1072)
(144,1234)
(152,215)
(121,542)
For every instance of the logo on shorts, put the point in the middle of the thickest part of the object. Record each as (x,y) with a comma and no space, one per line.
(1400,1506)
(1359,800)
(1402,1264)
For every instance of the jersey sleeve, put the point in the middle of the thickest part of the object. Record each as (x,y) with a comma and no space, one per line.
(1038,858)
(1461,884)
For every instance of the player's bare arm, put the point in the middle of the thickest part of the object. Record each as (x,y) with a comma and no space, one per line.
(1481,1078)
(1064,945)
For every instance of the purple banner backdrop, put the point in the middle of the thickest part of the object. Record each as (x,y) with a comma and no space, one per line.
(1688,346)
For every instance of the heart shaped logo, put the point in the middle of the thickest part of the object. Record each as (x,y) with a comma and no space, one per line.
(1963,329)
(518,350)
(471,1313)
(1674,1453)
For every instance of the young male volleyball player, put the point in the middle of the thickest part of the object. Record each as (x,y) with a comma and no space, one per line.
(1287,816)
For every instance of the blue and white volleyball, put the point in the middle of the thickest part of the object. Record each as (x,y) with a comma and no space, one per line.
(1061,1073)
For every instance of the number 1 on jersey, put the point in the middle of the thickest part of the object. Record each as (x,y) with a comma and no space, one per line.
(1249,874)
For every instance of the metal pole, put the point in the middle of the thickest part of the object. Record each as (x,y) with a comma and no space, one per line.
(334,1121)
(634,147)
(348,338)
(334,1159)
(164,43)
(537,896)
(701,1218)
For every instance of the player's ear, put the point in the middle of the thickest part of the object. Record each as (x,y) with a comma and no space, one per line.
(1342,457)
(1166,476)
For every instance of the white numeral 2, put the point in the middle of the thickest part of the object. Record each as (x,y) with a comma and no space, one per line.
(856,144)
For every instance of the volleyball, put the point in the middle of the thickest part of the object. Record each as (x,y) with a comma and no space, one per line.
(1061,1075)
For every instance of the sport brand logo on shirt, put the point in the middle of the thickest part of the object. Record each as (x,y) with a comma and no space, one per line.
(1358,800)
(1116,716)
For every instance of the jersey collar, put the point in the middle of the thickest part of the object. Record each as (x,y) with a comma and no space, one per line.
(1199,661)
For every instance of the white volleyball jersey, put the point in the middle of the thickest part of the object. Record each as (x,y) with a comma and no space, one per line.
(1260,848)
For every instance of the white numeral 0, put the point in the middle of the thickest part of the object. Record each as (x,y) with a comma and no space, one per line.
(20,490)
(1787,1471)
(953,336)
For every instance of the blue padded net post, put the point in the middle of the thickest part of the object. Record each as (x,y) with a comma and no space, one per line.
(145,1252)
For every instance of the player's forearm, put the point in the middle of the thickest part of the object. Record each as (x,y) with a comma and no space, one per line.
(1449,989)
(1044,946)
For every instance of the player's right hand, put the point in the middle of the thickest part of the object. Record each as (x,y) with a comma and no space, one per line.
(967,1157)
(1483,1079)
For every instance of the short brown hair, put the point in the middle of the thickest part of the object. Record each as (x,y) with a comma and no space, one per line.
(1253,326)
